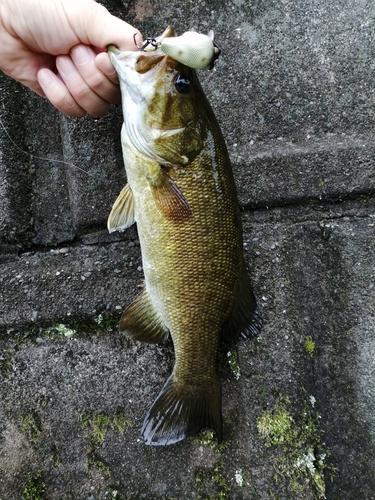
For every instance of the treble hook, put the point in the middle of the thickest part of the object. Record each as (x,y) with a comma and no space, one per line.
(146,43)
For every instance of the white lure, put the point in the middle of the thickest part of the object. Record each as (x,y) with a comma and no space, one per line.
(192,49)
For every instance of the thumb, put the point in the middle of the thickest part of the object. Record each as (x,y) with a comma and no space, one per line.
(100,29)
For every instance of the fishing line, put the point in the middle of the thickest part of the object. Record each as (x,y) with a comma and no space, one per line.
(44,158)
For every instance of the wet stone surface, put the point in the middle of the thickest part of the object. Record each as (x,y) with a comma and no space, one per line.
(293,92)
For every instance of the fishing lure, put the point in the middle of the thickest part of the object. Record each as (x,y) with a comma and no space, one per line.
(191,49)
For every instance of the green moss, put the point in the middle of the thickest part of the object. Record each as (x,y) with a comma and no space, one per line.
(230,417)
(212,479)
(310,346)
(35,487)
(56,457)
(60,331)
(105,322)
(300,454)
(97,427)
(263,392)
(99,464)
(99,319)
(31,427)
(207,438)
(6,362)
(277,427)
(43,400)
(100,425)
(364,198)
(119,422)
(233,364)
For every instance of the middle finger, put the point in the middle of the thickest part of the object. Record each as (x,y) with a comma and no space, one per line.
(87,84)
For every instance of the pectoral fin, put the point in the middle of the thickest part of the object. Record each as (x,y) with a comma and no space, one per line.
(122,213)
(169,199)
(141,321)
(245,318)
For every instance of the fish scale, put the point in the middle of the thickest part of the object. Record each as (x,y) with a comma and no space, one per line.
(181,194)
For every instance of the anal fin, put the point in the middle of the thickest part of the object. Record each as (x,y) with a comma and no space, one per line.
(141,322)
(245,319)
(122,213)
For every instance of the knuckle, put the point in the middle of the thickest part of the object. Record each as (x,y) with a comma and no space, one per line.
(72,109)
(81,92)
(62,99)
(69,107)
(96,82)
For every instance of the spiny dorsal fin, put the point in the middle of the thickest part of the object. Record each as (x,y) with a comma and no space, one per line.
(245,318)
(181,411)
(169,199)
(122,213)
(141,322)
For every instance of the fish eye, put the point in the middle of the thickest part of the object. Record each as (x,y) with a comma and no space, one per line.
(182,83)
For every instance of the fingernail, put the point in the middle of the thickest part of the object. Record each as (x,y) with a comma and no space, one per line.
(45,78)
(82,55)
(103,62)
(110,73)
(66,66)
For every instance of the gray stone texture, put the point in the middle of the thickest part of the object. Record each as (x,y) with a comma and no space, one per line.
(294,93)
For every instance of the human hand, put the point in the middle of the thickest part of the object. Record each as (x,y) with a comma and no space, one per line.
(58,49)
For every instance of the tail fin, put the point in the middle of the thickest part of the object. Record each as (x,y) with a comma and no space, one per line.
(181,411)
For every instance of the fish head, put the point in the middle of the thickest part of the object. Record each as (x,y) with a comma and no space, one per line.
(164,106)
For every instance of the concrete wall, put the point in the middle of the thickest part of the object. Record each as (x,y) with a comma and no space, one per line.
(294,94)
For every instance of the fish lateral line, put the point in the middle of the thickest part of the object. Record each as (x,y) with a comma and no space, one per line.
(44,158)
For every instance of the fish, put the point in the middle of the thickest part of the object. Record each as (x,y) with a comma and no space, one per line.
(181,193)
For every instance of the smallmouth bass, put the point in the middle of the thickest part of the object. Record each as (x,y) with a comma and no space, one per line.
(181,194)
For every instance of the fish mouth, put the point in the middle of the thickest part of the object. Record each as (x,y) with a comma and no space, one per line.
(116,55)
(140,68)
(140,62)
